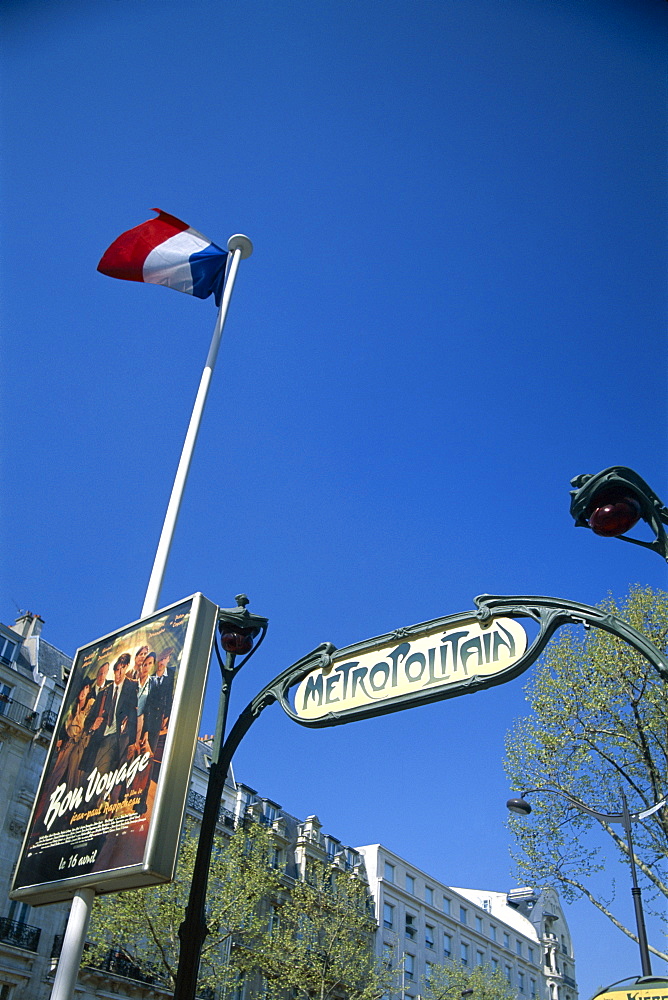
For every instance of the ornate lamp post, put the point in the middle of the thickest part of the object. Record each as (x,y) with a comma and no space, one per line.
(611,502)
(239,630)
(522,808)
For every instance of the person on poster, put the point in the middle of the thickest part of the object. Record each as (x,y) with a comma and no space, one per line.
(70,747)
(99,691)
(146,667)
(133,671)
(119,719)
(155,716)
(159,702)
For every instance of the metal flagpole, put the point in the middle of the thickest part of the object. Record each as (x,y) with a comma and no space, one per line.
(82,904)
(240,247)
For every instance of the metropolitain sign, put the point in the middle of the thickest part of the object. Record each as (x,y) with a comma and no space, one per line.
(443,658)
(433,663)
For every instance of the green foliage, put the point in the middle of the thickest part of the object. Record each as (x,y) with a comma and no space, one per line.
(321,943)
(144,923)
(599,725)
(447,982)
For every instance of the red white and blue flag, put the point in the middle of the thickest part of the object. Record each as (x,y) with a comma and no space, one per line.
(166,251)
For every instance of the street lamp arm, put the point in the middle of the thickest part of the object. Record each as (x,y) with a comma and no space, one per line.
(606,817)
(579,805)
(522,807)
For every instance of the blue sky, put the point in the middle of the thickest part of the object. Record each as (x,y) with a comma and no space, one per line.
(457,302)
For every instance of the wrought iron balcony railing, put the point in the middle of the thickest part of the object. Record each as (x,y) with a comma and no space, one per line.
(16,712)
(20,935)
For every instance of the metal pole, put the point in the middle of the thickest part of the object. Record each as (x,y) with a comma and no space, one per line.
(635,892)
(625,818)
(240,247)
(193,930)
(82,904)
(72,947)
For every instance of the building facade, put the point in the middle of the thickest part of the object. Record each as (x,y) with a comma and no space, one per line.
(423,923)
(33,674)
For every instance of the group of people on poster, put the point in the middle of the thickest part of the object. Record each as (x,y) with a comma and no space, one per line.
(119,714)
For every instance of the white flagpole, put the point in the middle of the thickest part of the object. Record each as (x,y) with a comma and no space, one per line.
(69,962)
(240,247)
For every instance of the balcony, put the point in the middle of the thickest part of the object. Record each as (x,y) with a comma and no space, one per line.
(116,960)
(18,713)
(196,803)
(20,935)
(570,982)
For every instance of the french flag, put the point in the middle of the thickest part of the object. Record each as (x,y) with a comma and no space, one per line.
(166,251)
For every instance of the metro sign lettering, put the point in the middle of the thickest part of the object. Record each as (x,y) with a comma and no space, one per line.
(411,666)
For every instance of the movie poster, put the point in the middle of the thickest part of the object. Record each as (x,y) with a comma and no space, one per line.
(112,795)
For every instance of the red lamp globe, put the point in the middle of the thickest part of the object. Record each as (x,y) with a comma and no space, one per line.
(612,514)
(236,642)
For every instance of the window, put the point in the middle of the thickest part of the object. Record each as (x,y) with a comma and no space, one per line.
(446,905)
(7,649)
(427,974)
(463,915)
(269,812)
(530,950)
(352,858)
(495,963)
(273,919)
(429,936)
(410,926)
(429,895)
(388,956)
(18,912)
(410,884)
(409,966)
(447,945)
(276,857)
(333,846)
(480,958)
(518,947)
(508,973)
(532,987)
(388,915)
(389,872)
(464,953)
(520,981)
(506,941)
(478,924)
(492,932)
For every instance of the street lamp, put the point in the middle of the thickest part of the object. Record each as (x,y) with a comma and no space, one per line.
(239,630)
(522,808)
(611,502)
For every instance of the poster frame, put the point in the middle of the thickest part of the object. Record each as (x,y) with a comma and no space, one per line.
(161,839)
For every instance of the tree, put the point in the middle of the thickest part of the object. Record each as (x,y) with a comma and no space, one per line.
(448,982)
(599,725)
(143,923)
(321,941)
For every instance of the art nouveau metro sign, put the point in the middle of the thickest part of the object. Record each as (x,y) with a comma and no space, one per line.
(438,659)
(420,664)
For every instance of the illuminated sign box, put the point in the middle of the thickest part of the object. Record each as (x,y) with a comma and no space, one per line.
(111,800)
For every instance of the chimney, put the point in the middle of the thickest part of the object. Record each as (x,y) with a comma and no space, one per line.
(28,624)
